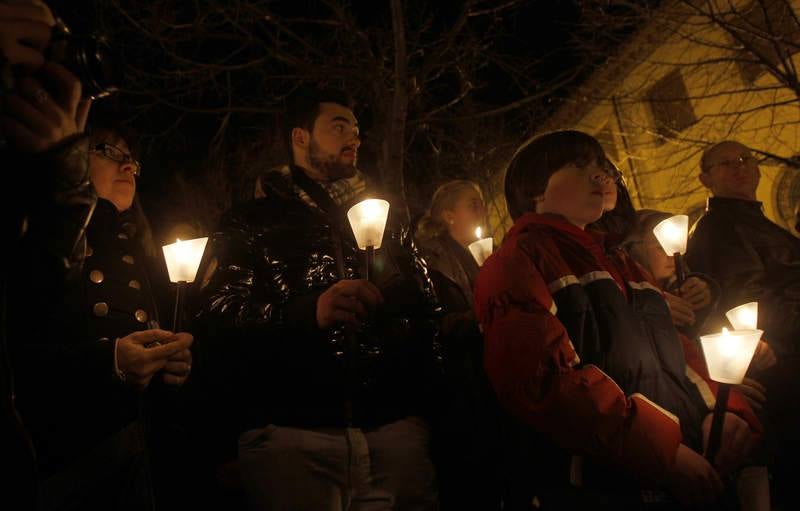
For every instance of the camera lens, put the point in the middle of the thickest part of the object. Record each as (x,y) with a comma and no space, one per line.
(96,65)
(90,58)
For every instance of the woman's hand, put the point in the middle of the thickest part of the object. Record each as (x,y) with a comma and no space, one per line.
(680,310)
(692,480)
(764,357)
(179,365)
(696,293)
(138,363)
(753,392)
(735,443)
(35,120)
(25,30)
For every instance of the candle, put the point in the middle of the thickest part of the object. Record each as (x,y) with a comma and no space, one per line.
(728,353)
(368,221)
(744,317)
(183,259)
(672,233)
(481,249)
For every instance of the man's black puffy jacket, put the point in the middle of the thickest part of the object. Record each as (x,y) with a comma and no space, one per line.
(267,265)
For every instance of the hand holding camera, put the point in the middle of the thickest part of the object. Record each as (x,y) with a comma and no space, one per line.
(35,120)
(25,30)
(45,72)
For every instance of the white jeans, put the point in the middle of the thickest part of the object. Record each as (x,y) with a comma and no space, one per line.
(288,469)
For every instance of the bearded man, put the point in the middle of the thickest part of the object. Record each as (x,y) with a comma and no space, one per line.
(341,371)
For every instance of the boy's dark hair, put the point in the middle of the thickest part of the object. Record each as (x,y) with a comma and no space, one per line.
(533,164)
(302,109)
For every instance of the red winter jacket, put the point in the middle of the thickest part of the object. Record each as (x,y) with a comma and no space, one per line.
(580,345)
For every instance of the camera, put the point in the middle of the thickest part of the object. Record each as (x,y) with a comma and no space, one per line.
(89,57)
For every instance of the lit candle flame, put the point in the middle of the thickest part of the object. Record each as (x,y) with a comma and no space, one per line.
(371,210)
(183,258)
(729,344)
(368,221)
(728,354)
(181,251)
(671,234)
(480,249)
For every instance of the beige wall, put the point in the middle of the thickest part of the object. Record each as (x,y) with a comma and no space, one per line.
(663,175)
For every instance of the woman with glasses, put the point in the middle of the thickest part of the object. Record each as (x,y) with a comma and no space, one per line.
(114,171)
(94,353)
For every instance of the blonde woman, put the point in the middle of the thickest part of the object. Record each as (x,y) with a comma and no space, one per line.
(444,233)
(466,452)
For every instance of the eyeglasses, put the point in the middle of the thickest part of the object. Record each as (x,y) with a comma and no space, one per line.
(117,155)
(735,162)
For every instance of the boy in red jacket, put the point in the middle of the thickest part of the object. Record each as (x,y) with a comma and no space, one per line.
(580,346)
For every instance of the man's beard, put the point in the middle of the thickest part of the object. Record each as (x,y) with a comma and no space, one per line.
(329,166)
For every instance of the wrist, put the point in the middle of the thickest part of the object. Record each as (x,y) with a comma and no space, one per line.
(118,372)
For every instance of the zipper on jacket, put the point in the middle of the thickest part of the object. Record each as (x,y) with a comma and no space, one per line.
(351,346)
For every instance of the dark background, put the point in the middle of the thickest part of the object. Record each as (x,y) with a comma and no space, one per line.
(202,140)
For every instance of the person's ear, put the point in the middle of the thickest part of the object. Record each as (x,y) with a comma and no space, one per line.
(448,216)
(300,137)
(705,179)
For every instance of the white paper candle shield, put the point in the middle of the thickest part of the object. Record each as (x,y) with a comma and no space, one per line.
(183,259)
(728,354)
(744,317)
(368,221)
(672,233)
(481,249)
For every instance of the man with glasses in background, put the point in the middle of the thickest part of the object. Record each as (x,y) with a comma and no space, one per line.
(753,259)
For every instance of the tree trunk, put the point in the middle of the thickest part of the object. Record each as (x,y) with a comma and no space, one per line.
(394,140)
